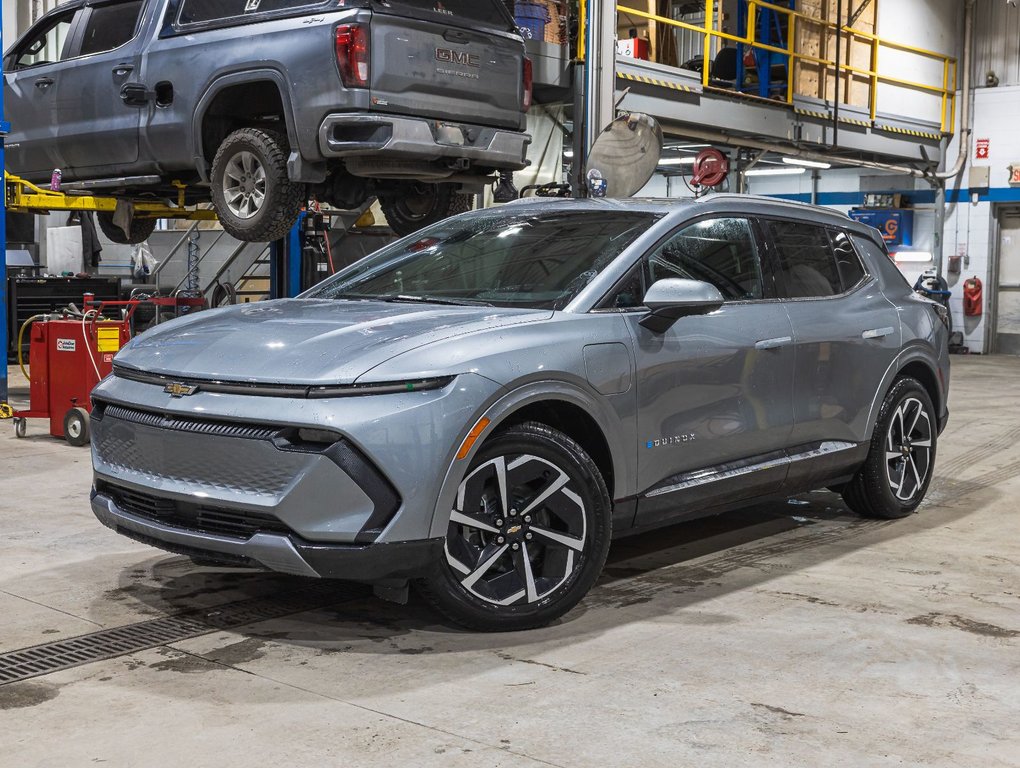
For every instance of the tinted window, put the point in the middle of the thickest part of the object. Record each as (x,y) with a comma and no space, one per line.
(110,26)
(848,263)
(488,12)
(498,258)
(807,265)
(199,11)
(716,251)
(45,45)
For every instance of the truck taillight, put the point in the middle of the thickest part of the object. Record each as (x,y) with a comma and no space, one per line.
(529,84)
(352,55)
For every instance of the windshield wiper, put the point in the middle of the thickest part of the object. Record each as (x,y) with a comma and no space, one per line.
(400,298)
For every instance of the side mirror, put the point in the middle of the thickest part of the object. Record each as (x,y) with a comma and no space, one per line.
(669,300)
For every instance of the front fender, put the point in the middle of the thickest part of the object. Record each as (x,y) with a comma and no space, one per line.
(510,400)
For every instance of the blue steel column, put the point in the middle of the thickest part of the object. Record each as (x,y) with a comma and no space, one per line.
(4,128)
(294,255)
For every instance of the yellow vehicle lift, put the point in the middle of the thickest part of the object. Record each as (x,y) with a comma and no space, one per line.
(25,197)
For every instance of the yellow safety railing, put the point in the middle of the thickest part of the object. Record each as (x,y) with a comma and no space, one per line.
(946,90)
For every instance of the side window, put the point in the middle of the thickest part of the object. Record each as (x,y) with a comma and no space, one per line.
(199,11)
(848,263)
(807,264)
(110,26)
(716,251)
(45,45)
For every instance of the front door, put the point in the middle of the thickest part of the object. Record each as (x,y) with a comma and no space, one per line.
(32,75)
(714,391)
(1007,297)
(98,134)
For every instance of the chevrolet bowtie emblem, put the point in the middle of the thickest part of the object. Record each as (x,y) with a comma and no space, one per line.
(177,389)
(513,530)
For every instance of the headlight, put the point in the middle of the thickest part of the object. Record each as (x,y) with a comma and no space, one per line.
(386,388)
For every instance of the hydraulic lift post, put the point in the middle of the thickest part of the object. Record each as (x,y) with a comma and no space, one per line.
(4,129)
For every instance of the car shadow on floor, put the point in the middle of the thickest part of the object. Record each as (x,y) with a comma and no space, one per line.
(662,575)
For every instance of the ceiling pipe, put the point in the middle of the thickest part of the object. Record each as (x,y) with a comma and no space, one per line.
(966,129)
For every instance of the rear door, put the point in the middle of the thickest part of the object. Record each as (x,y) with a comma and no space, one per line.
(457,59)
(714,392)
(98,130)
(32,75)
(1007,297)
(846,332)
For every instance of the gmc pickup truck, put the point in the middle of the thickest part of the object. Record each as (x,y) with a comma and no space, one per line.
(261,105)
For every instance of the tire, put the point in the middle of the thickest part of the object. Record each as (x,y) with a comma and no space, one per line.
(419,204)
(223,295)
(255,200)
(139,230)
(521,568)
(898,470)
(20,427)
(76,427)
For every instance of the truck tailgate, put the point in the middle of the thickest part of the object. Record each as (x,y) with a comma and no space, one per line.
(427,69)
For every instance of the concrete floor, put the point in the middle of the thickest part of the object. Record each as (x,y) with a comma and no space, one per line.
(792,634)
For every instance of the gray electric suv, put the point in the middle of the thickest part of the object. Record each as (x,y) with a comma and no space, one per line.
(479,408)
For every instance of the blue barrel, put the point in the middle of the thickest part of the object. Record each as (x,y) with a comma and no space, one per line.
(531,19)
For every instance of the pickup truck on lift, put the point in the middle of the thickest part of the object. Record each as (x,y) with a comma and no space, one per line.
(260,105)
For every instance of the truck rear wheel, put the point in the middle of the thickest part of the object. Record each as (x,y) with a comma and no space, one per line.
(255,200)
(419,204)
(138,232)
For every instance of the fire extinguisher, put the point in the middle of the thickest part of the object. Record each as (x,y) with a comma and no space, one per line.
(972,300)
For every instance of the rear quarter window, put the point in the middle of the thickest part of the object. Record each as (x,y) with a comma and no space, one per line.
(848,263)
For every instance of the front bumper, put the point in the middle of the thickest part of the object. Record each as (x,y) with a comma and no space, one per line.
(283,553)
(387,136)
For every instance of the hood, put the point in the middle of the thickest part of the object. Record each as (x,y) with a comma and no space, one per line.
(304,341)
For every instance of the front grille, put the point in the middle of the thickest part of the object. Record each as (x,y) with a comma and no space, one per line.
(236,524)
(185,424)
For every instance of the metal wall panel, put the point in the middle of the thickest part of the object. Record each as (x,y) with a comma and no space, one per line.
(997,41)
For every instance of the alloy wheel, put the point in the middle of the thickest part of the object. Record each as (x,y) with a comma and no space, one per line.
(518,531)
(909,443)
(244,184)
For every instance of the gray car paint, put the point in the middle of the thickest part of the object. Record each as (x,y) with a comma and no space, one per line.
(80,124)
(706,377)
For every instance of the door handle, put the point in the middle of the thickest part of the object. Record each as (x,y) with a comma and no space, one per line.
(123,69)
(878,333)
(782,341)
(44,82)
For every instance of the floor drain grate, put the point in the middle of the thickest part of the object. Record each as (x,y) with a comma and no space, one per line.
(106,644)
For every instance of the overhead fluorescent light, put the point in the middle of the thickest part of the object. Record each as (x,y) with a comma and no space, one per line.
(912,256)
(775,171)
(805,163)
(687,146)
(677,161)
(568,153)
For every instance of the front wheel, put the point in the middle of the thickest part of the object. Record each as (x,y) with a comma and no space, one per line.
(419,204)
(254,198)
(901,461)
(528,536)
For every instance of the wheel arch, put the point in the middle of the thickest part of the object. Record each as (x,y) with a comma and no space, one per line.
(552,403)
(239,88)
(915,362)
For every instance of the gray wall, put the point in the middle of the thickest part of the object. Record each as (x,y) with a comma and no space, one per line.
(997,46)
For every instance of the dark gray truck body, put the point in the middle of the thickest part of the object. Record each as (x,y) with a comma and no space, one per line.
(444,101)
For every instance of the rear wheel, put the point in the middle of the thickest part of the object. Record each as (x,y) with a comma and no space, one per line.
(254,198)
(528,536)
(76,426)
(896,475)
(138,231)
(419,204)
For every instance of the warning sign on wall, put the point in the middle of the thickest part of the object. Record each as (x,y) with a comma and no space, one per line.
(1014,175)
(982,151)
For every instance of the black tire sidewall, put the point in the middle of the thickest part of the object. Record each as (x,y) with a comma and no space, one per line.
(283,200)
(82,416)
(140,229)
(446,202)
(446,592)
(873,481)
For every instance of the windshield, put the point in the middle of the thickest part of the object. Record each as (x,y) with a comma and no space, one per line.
(496,258)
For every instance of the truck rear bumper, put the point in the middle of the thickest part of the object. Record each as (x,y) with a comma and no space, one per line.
(389,136)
